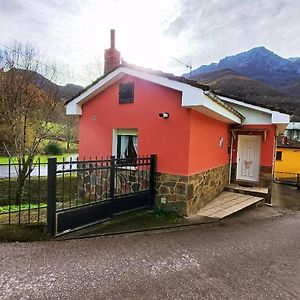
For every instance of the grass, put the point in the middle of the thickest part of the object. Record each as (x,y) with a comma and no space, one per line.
(136,220)
(61,144)
(13,208)
(43,158)
(132,221)
(23,233)
(55,128)
(32,216)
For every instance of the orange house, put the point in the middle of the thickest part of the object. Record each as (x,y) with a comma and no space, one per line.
(202,140)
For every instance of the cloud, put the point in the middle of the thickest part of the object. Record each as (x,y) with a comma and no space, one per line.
(213,29)
(50,26)
(76,32)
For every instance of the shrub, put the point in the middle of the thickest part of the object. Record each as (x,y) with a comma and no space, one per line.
(53,149)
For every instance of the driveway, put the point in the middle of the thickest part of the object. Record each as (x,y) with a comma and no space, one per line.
(239,258)
(285,197)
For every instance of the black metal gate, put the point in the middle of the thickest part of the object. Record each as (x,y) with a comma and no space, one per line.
(83,193)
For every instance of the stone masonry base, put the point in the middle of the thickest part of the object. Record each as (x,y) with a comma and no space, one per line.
(265,176)
(188,194)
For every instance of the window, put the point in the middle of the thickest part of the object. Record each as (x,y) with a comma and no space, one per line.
(126,92)
(278,155)
(125,145)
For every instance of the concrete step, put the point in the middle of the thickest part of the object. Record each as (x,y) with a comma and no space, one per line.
(228,203)
(252,191)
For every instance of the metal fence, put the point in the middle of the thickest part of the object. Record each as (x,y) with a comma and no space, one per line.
(288,178)
(23,202)
(59,187)
(85,192)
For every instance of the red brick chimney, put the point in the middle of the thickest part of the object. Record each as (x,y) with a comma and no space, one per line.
(112,57)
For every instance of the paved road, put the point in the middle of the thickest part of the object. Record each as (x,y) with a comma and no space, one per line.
(241,258)
(42,170)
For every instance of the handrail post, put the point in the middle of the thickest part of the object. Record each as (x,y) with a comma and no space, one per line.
(152,180)
(51,205)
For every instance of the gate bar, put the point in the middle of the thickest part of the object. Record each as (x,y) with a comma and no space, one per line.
(51,207)
(152,181)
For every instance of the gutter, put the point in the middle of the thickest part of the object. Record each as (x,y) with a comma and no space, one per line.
(216,99)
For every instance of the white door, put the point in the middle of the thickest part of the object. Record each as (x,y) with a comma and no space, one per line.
(248,157)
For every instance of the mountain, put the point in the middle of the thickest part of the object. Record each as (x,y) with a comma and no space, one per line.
(69,90)
(64,92)
(233,84)
(259,76)
(60,92)
(258,63)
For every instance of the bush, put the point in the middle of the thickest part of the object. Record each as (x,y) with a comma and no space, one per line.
(53,149)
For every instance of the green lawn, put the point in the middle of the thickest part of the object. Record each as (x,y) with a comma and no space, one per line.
(43,158)
(136,220)
(13,208)
(61,144)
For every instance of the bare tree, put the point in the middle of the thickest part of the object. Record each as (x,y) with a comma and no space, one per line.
(94,69)
(26,104)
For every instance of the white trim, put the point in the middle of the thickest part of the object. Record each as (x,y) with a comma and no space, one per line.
(276,117)
(192,97)
(256,155)
(280,118)
(255,107)
(211,108)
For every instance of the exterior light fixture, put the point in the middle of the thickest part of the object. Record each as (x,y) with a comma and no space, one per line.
(164,115)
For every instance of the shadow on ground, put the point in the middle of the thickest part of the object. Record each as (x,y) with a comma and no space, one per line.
(285,199)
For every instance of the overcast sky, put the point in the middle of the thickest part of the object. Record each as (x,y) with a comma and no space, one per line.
(75,33)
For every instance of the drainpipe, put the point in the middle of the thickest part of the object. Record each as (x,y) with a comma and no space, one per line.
(231,151)
(274,152)
(230,159)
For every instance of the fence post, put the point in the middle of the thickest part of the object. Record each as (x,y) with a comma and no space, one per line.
(152,181)
(51,205)
(112,182)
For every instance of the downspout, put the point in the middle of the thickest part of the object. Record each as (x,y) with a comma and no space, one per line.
(274,152)
(230,159)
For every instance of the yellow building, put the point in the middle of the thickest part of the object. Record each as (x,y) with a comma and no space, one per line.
(287,164)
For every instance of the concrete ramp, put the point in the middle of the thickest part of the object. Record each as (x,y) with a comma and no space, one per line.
(228,203)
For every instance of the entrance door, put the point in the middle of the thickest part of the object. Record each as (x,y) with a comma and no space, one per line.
(248,157)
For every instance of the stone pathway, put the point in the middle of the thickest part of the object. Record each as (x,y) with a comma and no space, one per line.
(228,203)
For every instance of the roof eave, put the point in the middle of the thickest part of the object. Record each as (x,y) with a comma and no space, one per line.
(192,96)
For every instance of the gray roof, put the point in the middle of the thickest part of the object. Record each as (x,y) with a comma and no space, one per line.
(294,125)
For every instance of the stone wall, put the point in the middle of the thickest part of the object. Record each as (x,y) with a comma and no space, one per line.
(94,184)
(265,176)
(187,194)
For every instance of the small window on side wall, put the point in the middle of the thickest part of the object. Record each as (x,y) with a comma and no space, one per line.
(126,92)
(278,155)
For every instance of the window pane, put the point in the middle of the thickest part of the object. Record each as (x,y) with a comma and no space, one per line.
(127,146)
(126,93)
(278,155)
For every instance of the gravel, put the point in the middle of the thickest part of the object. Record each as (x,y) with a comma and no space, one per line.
(242,258)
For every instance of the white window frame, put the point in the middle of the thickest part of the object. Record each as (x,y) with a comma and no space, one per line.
(121,131)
